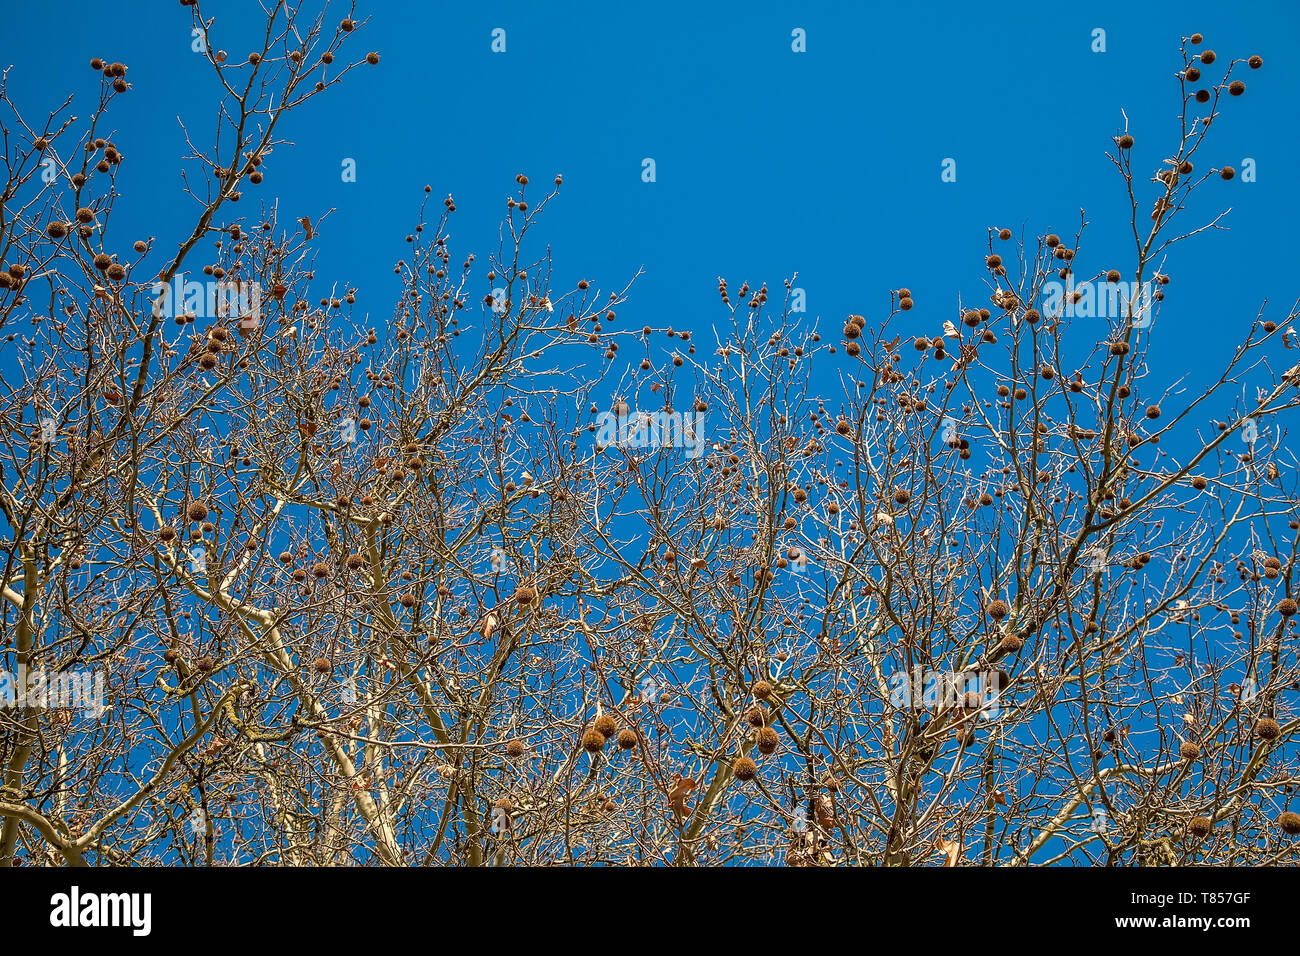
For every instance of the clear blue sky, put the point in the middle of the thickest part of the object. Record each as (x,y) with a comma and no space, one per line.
(768,161)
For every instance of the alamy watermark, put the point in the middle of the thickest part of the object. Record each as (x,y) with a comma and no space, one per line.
(53,690)
(1100,299)
(212,298)
(921,688)
(627,428)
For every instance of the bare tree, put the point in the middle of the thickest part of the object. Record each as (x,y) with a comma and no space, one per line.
(475,587)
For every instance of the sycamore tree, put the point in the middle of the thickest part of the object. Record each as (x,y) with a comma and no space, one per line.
(512,579)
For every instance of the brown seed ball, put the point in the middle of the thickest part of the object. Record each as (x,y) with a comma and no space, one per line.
(1266,728)
(593,741)
(1112,275)
(767,740)
(994,261)
(902,496)
(755,717)
(1289,822)
(1004,234)
(998,609)
(116,272)
(1202,96)
(207,664)
(606,726)
(627,738)
(323,666)
(515,748)
(744,769)
(971,318)
(372,58)
(1208,57)
(1255,62)
(525,595)
(905,304)
(1236,87)
(56,230)
(96,64)
(1153,412)
(1192,74)
(171,655)
(1199,826)
(1031,316)
(347,25)
(1196,38)
(299,575)
(1126,141)
(1188,750)
(197,511)
(1286,607)
(1227,172)
(762,690)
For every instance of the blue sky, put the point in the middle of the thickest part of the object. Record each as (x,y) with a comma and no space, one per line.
(769,162)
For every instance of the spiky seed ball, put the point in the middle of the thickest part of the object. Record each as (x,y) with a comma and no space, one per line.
(1031,316)
(1192,74)
(744,769)
(320,570)
(627,738)
(1196,38)
(762,690)
(905,304)
(999,609)
(1266,728)
(1126,141)
(755,717)
(593,741)
(1153,412)
(372,58)
(206,664)
(171,655)
(971,317)
(1202,96)
(323,665)
(902,496)
(1208,57)
(1236,87)
(1188,750)
(354,561)
(1011,643)
(768,740)
(1227,172)
(116,272)
(197,511)
(515,748)
(993,261)
(1199,826)
(525,595)
(347,25)
(1112,275)
(1004,234)
(1289,822)
(1255,62)
(606,726)
(1286,607)
(56,229)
